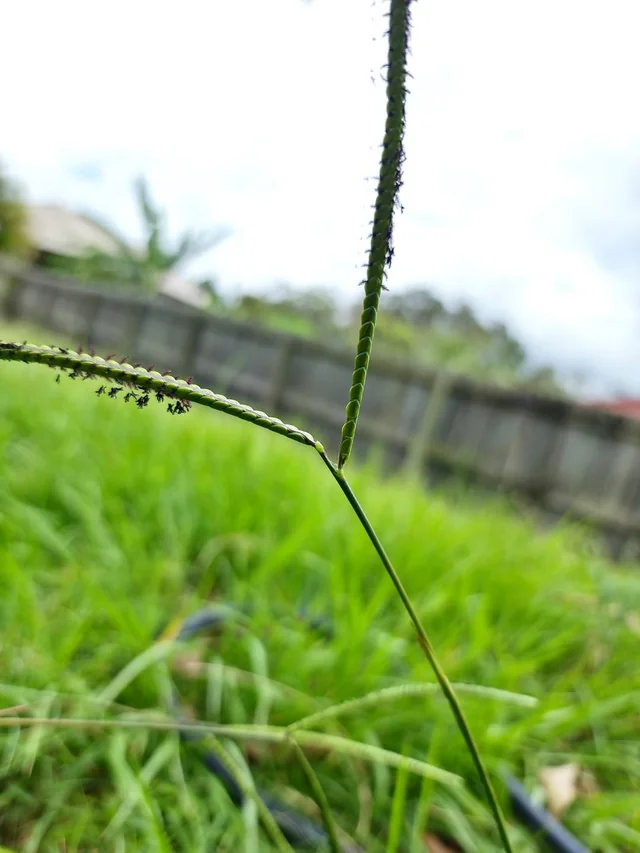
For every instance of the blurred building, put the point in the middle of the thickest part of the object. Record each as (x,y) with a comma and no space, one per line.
(56,232)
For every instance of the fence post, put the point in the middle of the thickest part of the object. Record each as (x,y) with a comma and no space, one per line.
(92,316)
(275,396)
(12,283)
(547,479)
(198,326)
(10,301)
(420,446)
(136,319)
(621,469)
(49,298)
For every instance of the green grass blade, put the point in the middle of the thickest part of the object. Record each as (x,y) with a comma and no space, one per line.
(397,811)
(248,789)
(421,816)
(134,788)
(320,797)
(157,762)
(154,654)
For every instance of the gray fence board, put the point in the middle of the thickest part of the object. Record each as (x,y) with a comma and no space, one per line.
(567,458)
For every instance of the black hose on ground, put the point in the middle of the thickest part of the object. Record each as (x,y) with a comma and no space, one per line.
(299,830)
(540,821)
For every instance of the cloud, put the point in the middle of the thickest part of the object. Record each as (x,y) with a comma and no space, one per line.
(522,147)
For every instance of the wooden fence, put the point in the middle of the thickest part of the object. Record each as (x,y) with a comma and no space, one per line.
(564,458)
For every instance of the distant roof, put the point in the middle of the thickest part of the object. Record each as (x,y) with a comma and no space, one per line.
(62,232)
(626,408)
(54,229)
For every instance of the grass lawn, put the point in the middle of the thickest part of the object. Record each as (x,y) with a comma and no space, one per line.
(114,521)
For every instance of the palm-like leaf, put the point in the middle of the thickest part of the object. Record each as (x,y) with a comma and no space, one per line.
(152,219)
(160,258)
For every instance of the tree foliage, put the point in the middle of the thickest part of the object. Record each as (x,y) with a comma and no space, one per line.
(413,324)
(14,235)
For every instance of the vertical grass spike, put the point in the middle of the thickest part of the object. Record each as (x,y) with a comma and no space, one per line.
(389,183)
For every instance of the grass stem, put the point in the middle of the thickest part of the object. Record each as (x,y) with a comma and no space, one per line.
(428,650)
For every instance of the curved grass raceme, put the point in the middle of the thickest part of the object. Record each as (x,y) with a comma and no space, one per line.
(129,379)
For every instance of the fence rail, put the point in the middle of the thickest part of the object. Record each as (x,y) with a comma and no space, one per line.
(564,458)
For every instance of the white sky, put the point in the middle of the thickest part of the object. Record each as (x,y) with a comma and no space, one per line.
(523,147)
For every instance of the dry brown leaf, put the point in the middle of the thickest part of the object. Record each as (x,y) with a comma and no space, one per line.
(581,599)
(587,784)
(437,845)
(189,713)
(189,664)
(614,609)
(597,654)
(632,621)
(560,786)
(256,753)
(13,711)
(297,800)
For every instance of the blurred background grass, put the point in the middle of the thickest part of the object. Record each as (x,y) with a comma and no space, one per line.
(113,521)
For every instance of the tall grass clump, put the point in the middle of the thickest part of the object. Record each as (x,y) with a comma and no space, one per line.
(114,522)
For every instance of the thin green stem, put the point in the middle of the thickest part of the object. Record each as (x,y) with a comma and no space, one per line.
(427,648)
